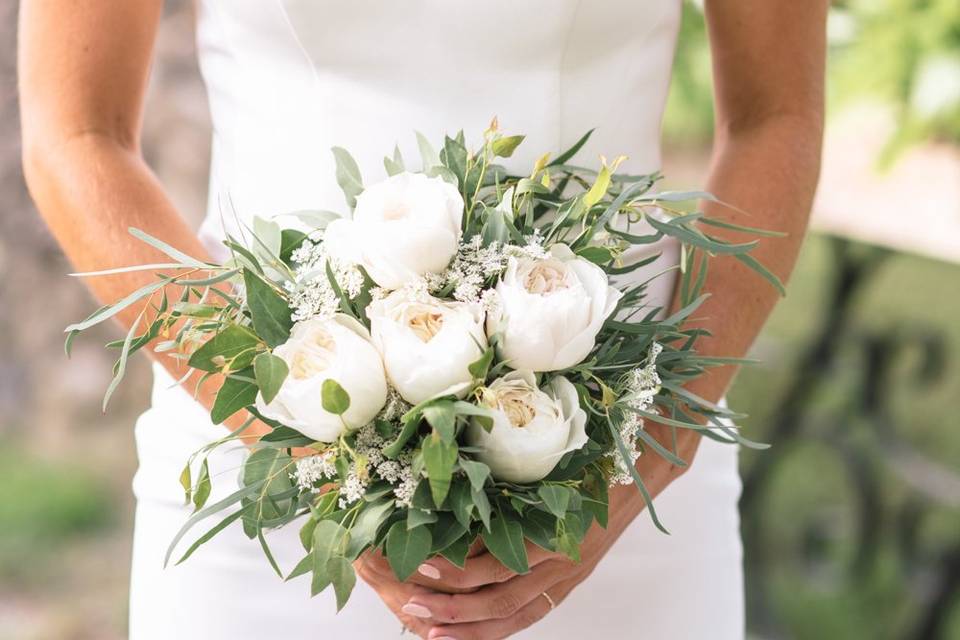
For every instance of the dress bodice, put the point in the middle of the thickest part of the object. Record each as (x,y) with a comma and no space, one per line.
(288,79)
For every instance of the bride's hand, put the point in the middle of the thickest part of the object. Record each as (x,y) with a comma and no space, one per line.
(373,568)
(486,601)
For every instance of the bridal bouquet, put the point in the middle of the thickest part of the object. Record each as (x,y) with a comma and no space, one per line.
(453,359)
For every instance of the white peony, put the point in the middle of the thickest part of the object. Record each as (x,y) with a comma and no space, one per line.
(549,311)
(337,349)
(402,228)
(532,428)
(426,343)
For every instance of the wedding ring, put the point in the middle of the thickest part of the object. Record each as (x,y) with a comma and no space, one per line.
(553,605)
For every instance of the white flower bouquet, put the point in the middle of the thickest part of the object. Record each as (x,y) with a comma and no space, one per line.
(453,354)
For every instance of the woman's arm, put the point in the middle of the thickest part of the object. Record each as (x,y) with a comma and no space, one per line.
(768,68)
(83,69)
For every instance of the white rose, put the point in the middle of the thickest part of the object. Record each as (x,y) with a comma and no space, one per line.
(402,228)
(549,311)
(532,428)
(318,350)
(427,344)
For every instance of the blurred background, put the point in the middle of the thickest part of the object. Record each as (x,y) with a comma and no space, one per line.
(852,520)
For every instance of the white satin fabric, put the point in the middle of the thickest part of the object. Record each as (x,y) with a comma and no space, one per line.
(288,79)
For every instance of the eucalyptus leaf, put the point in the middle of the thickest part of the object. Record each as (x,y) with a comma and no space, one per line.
(235,345)
(270,372)
(505,541)
(234,395)
(333,397)
(268,309)
(348,175)
(341,574)
(439,457)
(406,549)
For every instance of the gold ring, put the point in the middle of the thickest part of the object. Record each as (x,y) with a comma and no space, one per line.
(553,605)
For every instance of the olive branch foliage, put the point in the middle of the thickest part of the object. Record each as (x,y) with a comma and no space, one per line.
(224,319)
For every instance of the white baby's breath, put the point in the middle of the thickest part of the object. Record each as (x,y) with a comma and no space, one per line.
(640,387)
(312,471)
(311,295)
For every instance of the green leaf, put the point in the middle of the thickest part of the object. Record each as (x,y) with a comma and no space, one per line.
(768,275)
(564,157)
(556,498)
(457,551)
(306,533)
(445,531)
(329,540)
(234,343)
(505,541)
(202,491)
(461,503)
(442,417)
(478,472)
(567,545)
(290,241)
(540,528)
(233,396)
(407,548)
(427,152)
(160,245)
(364,530)
(454,157)
(206,512)
(420,517)
(482,503)
(108,311)
(208,536)
(505,146)
(122,362)
(479,368)
(348,175)
(270,313)
(394,165)
(340,572)
(599,188)
(186,482)
(334,398)
(270,372)
(439,458)
(268,237)
(268,468)
(597,255)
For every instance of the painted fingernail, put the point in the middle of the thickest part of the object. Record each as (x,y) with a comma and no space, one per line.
(417,610)
(429,570)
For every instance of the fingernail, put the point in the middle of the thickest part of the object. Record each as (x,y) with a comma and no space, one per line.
(445,638)
(429,570)
(417,610)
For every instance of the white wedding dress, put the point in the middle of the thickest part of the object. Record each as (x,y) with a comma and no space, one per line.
(287,80)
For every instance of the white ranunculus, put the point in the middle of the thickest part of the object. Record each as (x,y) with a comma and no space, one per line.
(549,311)
(402,228)
(532,428)
(337,349)
(426,343)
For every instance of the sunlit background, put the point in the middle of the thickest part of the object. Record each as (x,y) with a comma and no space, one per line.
(851,521)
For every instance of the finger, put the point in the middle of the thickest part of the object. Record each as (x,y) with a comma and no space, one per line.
(495,629)
(495,601)
(478,571)
(394,595)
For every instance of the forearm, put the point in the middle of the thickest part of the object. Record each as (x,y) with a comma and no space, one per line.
(769,172)
(91,189)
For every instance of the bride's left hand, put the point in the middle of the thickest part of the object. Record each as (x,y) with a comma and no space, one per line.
(485,600)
